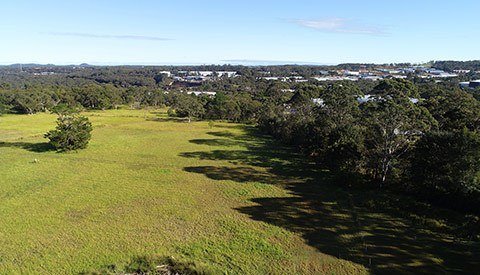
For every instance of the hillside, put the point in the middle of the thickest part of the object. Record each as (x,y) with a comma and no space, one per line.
(220,195)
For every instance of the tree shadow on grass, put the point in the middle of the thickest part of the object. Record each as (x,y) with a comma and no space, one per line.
(379,230)
(239,174)
(32,147)
(167,119)
(345,225)
(215,142)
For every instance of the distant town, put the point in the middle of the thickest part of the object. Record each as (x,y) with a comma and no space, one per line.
(322,74)
(195,79)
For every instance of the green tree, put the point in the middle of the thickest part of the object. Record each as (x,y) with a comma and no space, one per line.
(454,109)
(447,165)
(393,124)
(338,135)
(73,132)
(188,106)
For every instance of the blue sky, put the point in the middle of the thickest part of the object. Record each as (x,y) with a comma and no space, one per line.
(246,31)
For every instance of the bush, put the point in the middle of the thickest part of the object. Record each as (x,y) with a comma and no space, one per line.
(171,112)
(188,106)
(73,132)
(446,166)
(155,265)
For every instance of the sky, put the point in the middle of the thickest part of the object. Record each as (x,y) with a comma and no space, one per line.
(250,32)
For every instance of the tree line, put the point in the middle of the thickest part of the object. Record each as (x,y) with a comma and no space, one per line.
(418,137)
(421,139)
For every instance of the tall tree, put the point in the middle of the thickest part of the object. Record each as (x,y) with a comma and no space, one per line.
(394,122)
(447,165)
(188,106)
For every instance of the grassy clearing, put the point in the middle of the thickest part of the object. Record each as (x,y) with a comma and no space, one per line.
(222,197)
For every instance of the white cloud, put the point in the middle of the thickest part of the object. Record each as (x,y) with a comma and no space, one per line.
(340,25)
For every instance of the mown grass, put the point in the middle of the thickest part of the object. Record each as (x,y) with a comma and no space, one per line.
(222,197)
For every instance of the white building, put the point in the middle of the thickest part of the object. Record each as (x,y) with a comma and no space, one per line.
(226,73)
(167,73)
(461,71)
(318,102)
(352,73)
(197,93)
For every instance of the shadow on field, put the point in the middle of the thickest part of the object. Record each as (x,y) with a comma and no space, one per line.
(166,119)
(170,119)
(215,142)
(381,231)
(32,147)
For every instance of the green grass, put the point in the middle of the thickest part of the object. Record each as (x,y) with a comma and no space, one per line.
(223,197)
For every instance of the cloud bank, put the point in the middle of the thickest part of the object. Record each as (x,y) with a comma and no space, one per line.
(340,25)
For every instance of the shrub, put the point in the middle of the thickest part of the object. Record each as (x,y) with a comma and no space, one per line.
(446,166)
(155,265)
(188,106)
(73,132)
(171,112)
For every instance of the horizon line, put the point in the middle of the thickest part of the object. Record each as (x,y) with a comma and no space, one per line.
(233,62)
(246,64)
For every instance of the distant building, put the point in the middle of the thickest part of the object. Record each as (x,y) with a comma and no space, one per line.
(434,73)
(167,73)
(372,77)
(474,84)
(462,71)
(197,93)
(408,70)
(368,97)
(352,73)
(365,98)
(226,73)
(318,102)
(335,78)
(275,78)
(470,84)
(202,73)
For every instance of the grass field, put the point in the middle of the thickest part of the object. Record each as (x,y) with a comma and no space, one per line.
(224,197)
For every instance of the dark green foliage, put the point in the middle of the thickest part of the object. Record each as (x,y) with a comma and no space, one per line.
(63,109)
(239,107)
(4,108)
(27,101)
(188,106)
(397,87)
(98,96)
(73,132)
(343,148)
(454,110)
(338,136)
(473,65)
(393,124)
(141,265)
(378,138)
(144,97)
(304,94)
(446,165)
(153,265)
